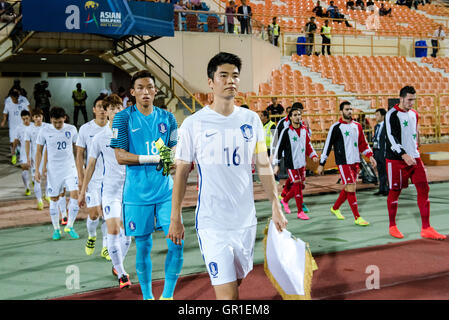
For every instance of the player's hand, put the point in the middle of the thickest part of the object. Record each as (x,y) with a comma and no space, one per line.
(408,160)
(315,159)
(44,172)
(276,170)
(278,217)
(373,162)
(37,177)
(82,199)
(320,170)
(176,232)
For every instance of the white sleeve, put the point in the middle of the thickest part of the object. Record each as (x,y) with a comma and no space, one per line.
(95,149)
(6,109)
(76,137)
(27,136)
(79,138)
(185,149)
(41,138)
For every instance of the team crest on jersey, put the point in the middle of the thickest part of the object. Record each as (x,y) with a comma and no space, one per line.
(132,225)
(162,127)
(68,134)
(88,199)
(247,131)
(213,268)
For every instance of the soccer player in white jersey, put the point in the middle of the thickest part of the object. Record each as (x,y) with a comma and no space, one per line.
(222,140)
(19,144)
(59,139)
(93,196)
(11,113)
(112,190)
(31,134)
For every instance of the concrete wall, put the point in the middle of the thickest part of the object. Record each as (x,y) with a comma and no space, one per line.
(190,52)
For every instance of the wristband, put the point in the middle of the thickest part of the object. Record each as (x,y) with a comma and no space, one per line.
(143,159)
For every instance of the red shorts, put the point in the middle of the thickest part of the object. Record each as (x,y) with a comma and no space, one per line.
(349,173)
(399,172)
(297,174)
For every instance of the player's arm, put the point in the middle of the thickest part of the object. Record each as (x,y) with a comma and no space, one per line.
(79,160)
(44,164)
(87,177)
(38,158)
(176,230)
(364,146)
(326,150)
(5,118)
(280,147)
(266,177)
(27,150)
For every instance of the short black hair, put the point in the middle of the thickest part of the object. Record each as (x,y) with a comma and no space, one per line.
(111,100)
(140,75)
(405,90)
(57,112)
(220,59)
(343,104)
(14,93)
(37,112)
(244,106)
(382,111)
(99,98)
(292,110)
(25,113)
(298,105)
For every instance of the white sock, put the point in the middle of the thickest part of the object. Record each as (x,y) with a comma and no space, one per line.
(115,252)
(92,226)
(62,205)
(38,191)
(73,212)
(104,232)
(54,214)
(26,178)
(125,242)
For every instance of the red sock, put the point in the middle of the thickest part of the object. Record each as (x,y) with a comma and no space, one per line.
(298,195)
(423,203)
(290,193)
(286,188)
(341,199)
(392,204)
(352,200)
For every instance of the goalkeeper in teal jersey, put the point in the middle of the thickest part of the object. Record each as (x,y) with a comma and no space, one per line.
(143,138)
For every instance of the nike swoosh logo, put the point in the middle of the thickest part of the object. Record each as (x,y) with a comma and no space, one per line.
(134,130)
(210,135)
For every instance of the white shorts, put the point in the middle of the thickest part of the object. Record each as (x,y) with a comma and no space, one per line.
(228,254)
(112,209)
(12,135)
(93,196)
(56,185)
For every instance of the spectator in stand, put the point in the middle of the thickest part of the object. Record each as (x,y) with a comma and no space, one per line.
(230,11)
(7,13)
(274,31)
(180,6)
(196,5)
(384,11)
(360,5)
(326,37)
(350,5)
(310,29)
(332,10)
(275,108)
(318,10)
(437,36)
(245,17)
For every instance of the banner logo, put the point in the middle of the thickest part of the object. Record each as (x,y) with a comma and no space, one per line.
(90,7)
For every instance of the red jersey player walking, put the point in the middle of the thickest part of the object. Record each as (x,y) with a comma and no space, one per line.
(295,144)
(348,140)
(404,162)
